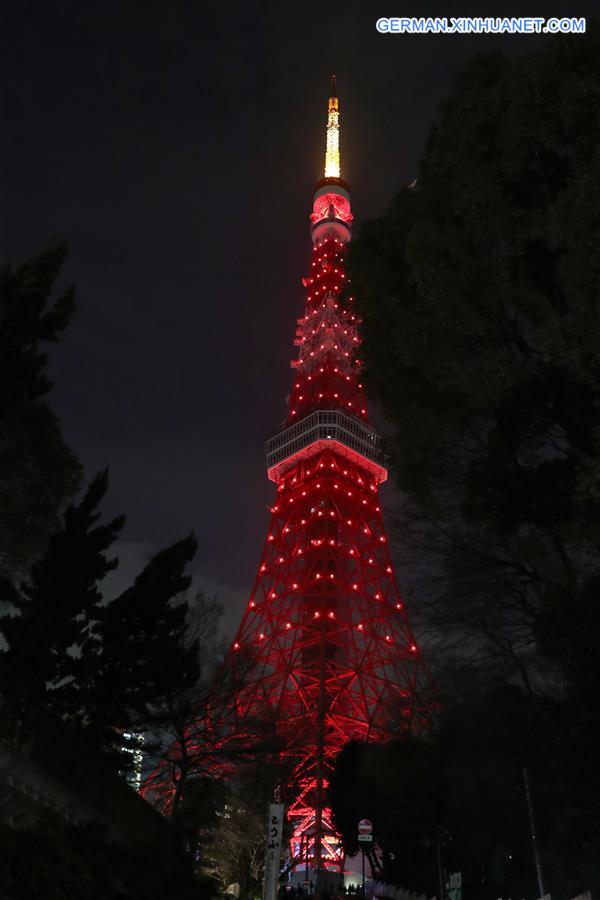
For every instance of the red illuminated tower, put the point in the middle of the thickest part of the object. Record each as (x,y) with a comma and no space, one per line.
(333,656)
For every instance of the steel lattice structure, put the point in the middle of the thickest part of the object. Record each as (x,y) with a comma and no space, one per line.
(334,655)
(328,654)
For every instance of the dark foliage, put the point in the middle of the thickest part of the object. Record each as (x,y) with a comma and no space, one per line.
(104,665)
(38,472)
(56,861)
(145,655)
(462,786)
(479,295)
(54,610)
(479,292)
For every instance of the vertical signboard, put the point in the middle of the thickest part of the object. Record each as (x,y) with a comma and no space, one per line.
(272,850)
(455,886)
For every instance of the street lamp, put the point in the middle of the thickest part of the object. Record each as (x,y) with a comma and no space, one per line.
(365,836)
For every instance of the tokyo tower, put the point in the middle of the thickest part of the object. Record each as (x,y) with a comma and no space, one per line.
(333,655)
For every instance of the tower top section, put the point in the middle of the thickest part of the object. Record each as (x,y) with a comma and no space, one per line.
(332,149)
(331,213)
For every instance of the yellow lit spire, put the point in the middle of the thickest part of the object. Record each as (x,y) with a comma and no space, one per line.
(332,152)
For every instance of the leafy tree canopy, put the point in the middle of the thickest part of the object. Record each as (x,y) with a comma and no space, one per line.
(104,664)
(478,290)
(479,294)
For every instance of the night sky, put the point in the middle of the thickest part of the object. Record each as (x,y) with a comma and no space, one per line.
(176,148)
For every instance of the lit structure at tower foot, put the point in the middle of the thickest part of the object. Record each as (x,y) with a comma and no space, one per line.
(333,656)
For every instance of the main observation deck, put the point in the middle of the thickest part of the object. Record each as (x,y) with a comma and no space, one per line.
(326,429)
